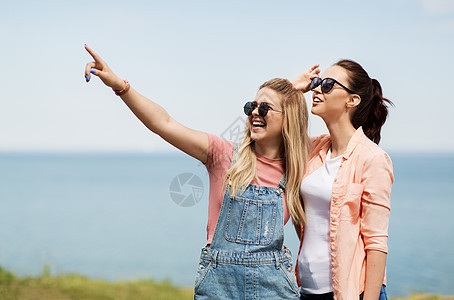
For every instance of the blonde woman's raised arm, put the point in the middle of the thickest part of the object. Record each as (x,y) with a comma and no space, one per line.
(154,117)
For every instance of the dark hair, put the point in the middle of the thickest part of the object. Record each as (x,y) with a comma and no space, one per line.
(371,113)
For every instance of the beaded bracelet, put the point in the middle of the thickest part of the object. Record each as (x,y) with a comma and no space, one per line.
(124,90)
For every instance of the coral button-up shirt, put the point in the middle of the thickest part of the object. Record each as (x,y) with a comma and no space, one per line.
(359,213)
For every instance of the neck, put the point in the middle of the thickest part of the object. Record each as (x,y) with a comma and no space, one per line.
(341,133)
(269,151)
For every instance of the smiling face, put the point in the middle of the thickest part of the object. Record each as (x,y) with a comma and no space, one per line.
(332,105)
(268,129)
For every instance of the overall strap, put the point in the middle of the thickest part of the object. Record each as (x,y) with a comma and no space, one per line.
(282,182)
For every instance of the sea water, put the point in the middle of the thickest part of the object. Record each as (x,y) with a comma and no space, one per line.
(113,216)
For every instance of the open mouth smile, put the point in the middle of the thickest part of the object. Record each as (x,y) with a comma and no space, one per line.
(316,100)
(257,124)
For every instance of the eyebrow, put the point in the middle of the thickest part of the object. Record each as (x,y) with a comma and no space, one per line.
(267,102)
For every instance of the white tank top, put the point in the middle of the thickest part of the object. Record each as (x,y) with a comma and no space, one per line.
(314,261)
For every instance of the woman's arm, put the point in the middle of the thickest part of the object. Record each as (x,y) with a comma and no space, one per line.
(154,117)
(303,81)
(375,272)
(377,179)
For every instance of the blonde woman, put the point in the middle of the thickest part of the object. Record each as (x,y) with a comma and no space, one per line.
(254,187)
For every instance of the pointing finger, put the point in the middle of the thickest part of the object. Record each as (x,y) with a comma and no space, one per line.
(93,54)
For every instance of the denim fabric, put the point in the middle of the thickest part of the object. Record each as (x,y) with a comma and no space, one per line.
(329,296)
(224,275)
(251,222)
(246,259)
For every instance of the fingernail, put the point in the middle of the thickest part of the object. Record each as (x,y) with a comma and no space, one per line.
(92,71)
(87,78)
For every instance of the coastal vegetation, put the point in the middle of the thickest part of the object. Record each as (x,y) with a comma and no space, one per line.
(70,286)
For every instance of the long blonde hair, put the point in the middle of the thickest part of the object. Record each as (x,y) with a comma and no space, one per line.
(295,149)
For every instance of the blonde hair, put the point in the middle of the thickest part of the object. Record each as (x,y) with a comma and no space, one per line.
(295,149)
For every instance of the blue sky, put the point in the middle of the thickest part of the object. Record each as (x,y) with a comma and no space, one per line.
(201,60)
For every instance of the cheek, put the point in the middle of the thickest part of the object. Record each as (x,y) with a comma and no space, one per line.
(281,123)
(335,103)
(277,123)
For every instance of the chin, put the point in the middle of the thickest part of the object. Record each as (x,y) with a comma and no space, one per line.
(314,111)
(258,137)
(254,137)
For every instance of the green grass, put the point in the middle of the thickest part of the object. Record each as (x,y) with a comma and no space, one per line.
(77,287)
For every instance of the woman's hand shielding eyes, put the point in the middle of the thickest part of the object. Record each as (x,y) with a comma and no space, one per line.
(303,81)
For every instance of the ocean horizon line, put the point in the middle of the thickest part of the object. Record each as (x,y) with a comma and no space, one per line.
(175,152)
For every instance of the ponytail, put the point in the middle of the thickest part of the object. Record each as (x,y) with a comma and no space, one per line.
(377,114)
(372,111)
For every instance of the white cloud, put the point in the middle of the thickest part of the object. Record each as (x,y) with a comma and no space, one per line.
(438,6)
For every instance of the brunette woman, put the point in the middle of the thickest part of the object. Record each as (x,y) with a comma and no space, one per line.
(346,188)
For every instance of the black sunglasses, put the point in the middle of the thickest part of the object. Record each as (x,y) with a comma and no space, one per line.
(263,108)
(326,85)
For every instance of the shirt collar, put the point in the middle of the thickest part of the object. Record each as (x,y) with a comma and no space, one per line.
(356,139)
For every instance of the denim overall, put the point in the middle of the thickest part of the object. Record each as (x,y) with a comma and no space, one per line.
(246,258)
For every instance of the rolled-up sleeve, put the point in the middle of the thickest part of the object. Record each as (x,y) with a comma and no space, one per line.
(377,179)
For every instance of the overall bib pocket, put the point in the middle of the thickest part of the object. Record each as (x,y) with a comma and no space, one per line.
(250,221)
